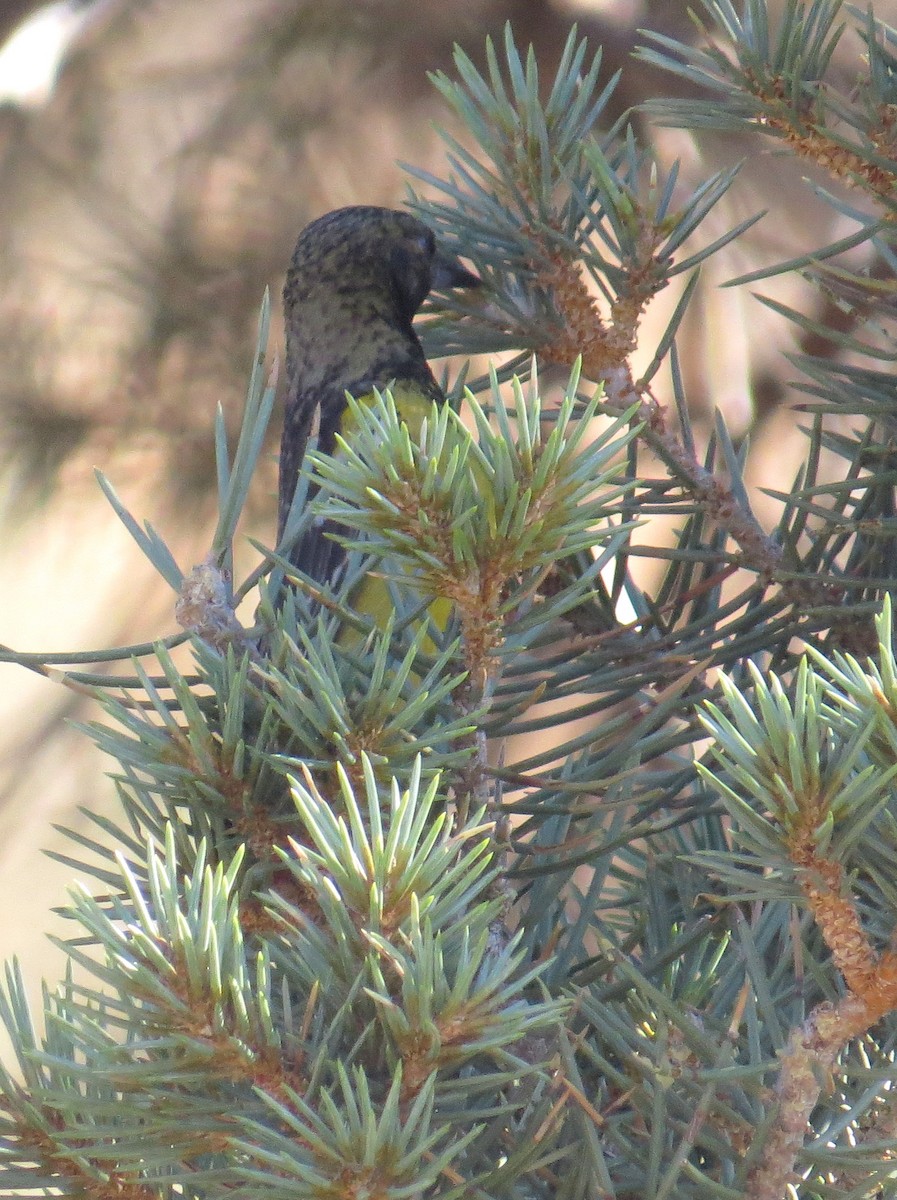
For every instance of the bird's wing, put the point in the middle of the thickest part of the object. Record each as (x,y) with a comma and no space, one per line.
(301,415)
(317,554)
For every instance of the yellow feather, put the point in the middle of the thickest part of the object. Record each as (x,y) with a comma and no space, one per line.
(371,597)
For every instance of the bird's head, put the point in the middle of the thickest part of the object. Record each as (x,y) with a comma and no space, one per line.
(380,262)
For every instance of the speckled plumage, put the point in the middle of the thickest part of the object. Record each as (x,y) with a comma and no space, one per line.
(356,280)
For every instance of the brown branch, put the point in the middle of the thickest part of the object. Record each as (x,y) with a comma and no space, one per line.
(813,1048)
(64,1162)
(605,348)
(811,140)
(806,1062)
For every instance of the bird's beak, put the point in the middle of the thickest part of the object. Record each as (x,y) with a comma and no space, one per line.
(450,272)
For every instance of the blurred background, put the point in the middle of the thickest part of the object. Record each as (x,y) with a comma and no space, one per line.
(157,160)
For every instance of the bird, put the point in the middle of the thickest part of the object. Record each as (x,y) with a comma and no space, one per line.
(357,278)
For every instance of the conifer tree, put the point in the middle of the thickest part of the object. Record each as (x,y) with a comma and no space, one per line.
(347,938)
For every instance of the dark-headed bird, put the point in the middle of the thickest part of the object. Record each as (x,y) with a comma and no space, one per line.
(356,281)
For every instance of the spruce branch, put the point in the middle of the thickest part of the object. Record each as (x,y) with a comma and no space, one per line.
(217,1083)
(479,519)
(479,522)
(568,213)
(811,1055)
(336,947)
(795,776)
(778,82)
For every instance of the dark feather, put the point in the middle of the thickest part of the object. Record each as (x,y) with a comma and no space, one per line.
(356,280)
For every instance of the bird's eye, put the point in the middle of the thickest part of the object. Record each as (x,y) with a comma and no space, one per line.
(426,243)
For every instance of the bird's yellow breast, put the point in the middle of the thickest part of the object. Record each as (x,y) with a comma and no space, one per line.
(371,598)
(412,403)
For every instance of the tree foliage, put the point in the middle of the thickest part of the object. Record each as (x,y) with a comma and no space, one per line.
(589,893)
